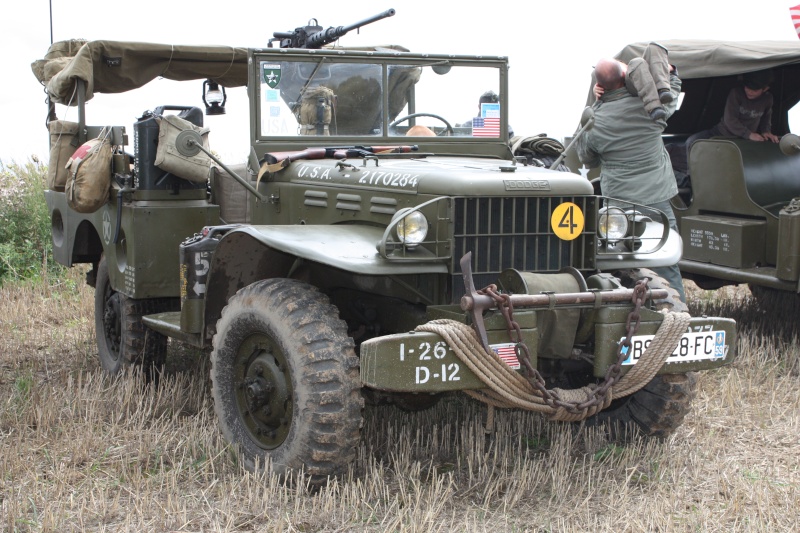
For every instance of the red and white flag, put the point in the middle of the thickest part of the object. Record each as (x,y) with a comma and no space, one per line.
(794,12)
(485,127)
(507,352)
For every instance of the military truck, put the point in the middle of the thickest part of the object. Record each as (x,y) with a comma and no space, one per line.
(738,207)
(343,260)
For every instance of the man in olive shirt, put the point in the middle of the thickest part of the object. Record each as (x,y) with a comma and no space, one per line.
(626,143)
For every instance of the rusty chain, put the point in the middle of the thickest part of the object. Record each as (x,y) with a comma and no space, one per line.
(551,398)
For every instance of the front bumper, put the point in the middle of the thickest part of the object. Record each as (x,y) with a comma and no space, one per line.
(423,362)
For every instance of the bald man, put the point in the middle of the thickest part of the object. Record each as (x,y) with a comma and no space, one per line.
(626,144)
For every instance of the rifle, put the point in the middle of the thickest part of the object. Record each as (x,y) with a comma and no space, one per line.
(313,36)
(277,161)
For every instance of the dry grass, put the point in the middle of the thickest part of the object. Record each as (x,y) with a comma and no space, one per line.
(82,452)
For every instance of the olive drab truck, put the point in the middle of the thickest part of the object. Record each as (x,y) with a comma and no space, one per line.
(372,247)
(738,207)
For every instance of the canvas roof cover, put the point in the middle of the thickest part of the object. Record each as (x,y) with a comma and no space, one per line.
(705,59)
(116,66)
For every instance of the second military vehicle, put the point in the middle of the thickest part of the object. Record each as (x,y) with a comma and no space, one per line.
(344,259)
(739,203)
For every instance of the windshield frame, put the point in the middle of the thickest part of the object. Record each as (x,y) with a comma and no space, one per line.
(381,56)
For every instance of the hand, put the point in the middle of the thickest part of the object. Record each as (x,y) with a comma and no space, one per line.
(756,137)
(598,91)
(771,137)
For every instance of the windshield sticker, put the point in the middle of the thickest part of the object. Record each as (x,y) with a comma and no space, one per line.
(271,74)
(271,95)
(490,110)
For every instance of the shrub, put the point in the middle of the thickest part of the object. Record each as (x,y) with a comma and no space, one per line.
(25,242)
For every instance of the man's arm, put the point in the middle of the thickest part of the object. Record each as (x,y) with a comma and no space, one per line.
(765,125)
(586,154)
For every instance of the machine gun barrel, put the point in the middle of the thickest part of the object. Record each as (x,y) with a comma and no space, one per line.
(321,38)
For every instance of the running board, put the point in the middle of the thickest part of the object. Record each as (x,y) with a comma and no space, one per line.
(169,324)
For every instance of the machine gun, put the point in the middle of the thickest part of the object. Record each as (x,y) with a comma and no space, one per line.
(313,36)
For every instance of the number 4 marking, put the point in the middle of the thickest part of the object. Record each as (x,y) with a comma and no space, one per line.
(567,221)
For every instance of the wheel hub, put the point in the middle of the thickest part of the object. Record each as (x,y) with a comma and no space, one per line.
(264,395)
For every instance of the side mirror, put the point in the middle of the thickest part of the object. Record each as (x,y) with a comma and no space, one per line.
(790,144)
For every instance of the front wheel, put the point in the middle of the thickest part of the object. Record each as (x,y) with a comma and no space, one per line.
(285,380)
(655,410)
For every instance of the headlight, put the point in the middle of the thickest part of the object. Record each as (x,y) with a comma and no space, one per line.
(613,224)
(412,228)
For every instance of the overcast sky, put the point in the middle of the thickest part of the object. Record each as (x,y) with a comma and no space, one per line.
(551,46)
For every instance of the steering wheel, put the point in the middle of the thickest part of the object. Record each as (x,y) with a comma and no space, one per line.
(449,128)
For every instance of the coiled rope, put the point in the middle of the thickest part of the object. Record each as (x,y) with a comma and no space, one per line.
(506,388)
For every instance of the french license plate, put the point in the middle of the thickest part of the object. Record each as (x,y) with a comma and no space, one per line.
(693,346)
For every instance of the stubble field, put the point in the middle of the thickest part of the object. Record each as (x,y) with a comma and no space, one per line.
(83,452)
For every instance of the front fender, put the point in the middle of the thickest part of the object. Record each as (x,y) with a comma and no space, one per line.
(248,254)
(348,247)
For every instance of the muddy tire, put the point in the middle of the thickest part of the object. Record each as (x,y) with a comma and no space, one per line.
(671,303)
(122,338)
(655,410)
(285,380)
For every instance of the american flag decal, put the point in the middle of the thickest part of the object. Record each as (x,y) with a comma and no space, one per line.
(485,127)
(507,353)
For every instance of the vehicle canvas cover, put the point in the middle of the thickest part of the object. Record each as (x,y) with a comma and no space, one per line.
(119,66)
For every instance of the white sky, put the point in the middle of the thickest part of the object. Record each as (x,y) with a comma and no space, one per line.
(551,48)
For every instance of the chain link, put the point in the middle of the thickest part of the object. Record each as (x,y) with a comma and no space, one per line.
(551,398)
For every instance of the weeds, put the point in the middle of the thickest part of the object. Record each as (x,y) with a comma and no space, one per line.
(25,242)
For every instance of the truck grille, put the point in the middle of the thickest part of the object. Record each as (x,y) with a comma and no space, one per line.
(515,233)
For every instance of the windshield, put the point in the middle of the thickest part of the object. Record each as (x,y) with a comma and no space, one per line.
(321,96)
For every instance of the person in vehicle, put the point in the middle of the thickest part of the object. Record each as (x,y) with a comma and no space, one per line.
(626,143)
(748,112)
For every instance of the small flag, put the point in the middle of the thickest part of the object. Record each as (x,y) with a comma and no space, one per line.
(794,12)
(507,353)
(485,127)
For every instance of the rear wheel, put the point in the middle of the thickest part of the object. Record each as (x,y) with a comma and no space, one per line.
(285,380)
(122,338)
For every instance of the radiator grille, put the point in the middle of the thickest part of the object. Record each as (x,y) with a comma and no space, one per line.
(515,233)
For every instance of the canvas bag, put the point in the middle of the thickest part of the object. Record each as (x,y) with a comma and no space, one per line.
(62,135)
(195,168)
(89,178)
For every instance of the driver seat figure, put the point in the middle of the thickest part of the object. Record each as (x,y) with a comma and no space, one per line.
(317,109)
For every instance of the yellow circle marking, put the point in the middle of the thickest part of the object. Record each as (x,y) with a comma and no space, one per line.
(567,221)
